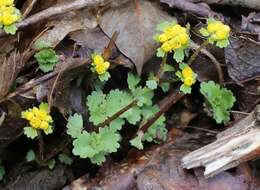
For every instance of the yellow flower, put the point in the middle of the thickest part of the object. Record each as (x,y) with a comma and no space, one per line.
(184,38)
(9,15)
(175,43)
(188,81)
(27,115)
(35,122)
(163,38)
(166,47)
(220,35)
(44,125)
(6,2)
(187,72)
(217,31)
(215,26)
(102,68)
(173,37)
(98,59)
(39,118)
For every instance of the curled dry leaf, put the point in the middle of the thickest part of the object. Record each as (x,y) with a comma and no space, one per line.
(136,22)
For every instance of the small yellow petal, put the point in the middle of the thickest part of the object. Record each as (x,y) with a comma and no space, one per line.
(188,81)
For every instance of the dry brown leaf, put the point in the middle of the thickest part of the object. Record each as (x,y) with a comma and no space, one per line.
(136,23)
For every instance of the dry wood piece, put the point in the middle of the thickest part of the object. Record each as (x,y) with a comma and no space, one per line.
(232,147)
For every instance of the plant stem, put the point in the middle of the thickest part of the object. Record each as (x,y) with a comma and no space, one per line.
(196,53)
(166,104)
(117,114)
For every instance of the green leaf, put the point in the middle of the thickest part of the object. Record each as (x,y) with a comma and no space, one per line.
(104,77)
(204,32)
(160,52)
(51,164)
(222,43)
(117,124)
(178,55)
(133,115)
(219,99)
(48,131)
(96,146)
(10,29)
(30,156)
(74,125)
(165,86)
(137,141)
(30,132)
(45,107)
(152,84)
(83,146)
(47,59)
(144,96)
(132,81)
(185,89)
(40,44)
(65,159)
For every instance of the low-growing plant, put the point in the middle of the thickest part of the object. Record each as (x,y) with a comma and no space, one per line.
(110,110)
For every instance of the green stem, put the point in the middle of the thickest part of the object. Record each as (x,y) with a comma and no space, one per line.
(196,53)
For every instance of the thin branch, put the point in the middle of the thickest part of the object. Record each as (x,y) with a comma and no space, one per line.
(57,10)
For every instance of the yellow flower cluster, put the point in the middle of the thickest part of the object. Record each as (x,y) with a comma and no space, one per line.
(217,30)
(8,13)
(39,118)
(100,64)
(173,37)
(188,76)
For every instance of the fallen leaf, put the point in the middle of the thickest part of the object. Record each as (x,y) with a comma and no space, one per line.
(136,23)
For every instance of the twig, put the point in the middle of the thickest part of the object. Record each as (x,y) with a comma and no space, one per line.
(165,105)
(117,114)
(197,51)
(56,10)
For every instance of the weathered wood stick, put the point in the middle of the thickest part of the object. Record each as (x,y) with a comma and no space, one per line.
(232,147)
